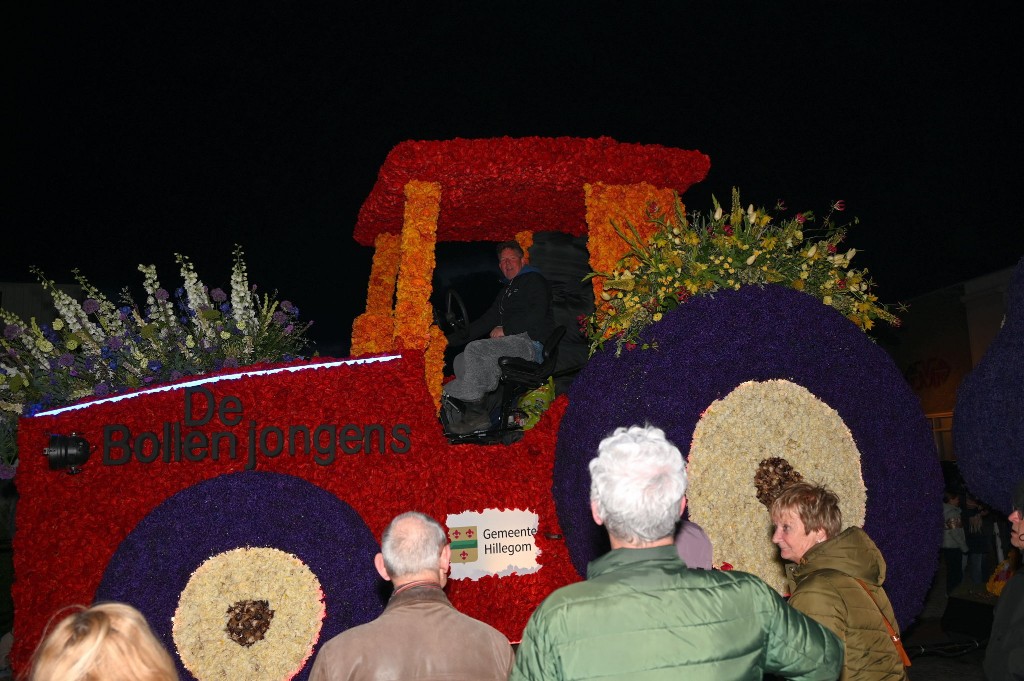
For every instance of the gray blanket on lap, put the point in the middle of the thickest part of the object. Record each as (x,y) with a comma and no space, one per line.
(476,367)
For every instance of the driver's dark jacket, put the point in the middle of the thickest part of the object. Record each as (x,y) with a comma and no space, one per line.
(522,306)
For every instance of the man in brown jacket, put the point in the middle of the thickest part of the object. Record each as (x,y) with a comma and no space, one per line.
(419,635)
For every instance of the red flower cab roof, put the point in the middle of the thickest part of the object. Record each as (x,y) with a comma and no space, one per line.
(493,188)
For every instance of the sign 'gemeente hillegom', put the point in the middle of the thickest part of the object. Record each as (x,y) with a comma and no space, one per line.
(493,542)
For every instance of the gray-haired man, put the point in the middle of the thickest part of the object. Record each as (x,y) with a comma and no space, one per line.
(642,614)
(419,635)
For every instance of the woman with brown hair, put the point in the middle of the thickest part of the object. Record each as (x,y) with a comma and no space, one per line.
(836,578)
(107,642)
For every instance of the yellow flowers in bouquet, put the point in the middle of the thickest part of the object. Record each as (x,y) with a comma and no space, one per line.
(696,254)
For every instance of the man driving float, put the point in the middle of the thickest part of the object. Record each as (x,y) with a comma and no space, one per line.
(516,325)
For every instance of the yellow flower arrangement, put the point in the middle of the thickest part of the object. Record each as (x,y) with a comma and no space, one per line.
(413,312)
(677,256)
(291,590)
(757,421)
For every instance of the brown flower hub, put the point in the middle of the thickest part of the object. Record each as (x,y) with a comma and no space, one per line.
(773,474)
(248,621)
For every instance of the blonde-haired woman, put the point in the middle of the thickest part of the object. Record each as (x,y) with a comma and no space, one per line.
(107,642)
(836,578)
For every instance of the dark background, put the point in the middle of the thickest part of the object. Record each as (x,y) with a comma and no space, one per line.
(142,129)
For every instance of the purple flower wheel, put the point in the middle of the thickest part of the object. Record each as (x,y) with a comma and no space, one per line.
(711,345)
(987,426)
(153,565)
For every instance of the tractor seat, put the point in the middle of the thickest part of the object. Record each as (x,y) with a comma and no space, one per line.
(525,375)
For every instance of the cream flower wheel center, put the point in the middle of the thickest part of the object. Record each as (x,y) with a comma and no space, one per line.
(209,649)
(757,421)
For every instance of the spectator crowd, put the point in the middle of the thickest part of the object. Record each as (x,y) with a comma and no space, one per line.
(651,608)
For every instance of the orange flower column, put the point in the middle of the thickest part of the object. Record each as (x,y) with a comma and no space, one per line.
(434,359)
(372,331)
(622,204)
(416,270)
(413,312)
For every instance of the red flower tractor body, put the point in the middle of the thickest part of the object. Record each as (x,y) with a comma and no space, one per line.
(364,429)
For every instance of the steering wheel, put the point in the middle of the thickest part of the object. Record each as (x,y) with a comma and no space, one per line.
(455,315)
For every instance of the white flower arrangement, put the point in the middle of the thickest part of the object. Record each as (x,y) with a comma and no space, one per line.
(98,348)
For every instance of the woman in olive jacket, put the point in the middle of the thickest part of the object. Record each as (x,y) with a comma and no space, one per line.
(836,578)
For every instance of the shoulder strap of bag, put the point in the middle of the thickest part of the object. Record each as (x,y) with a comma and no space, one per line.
(892,632)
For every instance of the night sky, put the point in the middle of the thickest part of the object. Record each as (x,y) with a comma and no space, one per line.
(139,130)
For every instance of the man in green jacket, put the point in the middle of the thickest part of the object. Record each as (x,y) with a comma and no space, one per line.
(642,614)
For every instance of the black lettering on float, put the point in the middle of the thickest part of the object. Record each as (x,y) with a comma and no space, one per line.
(401,443)
(264,439)
(172,442)
(351,443)
(110,444)
(368,432)
(228,406)
(195,446)
(302,445)
(229,411)
(325,454)
(251,463)
(140,447)
(176,443)
(232,442)
(203,420)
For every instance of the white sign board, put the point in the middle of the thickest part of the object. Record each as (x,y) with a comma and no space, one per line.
(493,542)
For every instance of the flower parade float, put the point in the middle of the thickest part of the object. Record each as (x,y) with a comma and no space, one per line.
(239,509)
